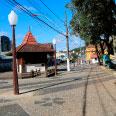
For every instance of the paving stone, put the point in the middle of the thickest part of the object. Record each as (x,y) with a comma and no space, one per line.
(12,110)
(69,95)
(5,100)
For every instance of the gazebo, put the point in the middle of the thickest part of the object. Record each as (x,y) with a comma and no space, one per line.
(34,56)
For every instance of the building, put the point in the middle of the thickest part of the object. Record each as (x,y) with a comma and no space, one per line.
(5,47)
(91,55)
(34,56)
(5,64)
(5,44)
(62,55)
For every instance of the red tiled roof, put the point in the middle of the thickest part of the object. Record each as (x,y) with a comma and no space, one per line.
(29,44)
(35,48)
(29,39)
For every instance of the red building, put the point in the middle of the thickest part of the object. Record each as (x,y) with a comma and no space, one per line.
(32,55)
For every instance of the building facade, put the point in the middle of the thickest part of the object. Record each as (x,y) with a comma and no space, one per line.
(91,55)
(62,55)
(5,61)
(5,44)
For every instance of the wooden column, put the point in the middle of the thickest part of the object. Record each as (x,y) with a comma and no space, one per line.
(23,64)
(46,67)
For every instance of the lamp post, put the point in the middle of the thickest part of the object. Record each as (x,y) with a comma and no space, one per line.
(12,17)
(54,43)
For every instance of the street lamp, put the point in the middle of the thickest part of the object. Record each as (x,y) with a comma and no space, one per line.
(12,17)
(54,43)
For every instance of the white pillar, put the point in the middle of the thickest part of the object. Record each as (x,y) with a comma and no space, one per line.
(68,64)
(20,68)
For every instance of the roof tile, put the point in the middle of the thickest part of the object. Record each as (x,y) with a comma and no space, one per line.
(29,44)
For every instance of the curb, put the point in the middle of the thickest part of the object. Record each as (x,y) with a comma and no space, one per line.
(110,70)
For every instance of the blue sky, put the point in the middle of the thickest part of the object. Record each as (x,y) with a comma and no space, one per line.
(42,33)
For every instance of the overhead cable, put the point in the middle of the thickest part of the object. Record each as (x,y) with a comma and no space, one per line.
(52,11)
(21,7)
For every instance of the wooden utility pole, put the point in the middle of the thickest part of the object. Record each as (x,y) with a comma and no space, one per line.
(55,60)
(67,43)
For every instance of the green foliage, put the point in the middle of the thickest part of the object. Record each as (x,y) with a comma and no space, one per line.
(78,49)
(91,18)
(74,57)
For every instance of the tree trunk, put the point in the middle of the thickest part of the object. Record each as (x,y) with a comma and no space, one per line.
(109,47)
(97,54)
(102,49)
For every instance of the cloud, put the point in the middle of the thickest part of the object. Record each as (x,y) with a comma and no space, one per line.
(3,33)
(19,36)
(59,38)
(30,8)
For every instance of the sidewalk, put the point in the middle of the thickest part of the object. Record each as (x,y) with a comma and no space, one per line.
(68,94)
(112,71)
(43,102)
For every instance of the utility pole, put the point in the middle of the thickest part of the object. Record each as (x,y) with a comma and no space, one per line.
(55,63)
(67,43)
(80,53)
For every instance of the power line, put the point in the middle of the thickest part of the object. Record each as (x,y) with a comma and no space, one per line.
(73,42)
(48,9)
(42,14)
(34,5)
(21,7)
(9,4)
(52,11)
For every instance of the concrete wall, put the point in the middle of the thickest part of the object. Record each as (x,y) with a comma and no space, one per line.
(34,67)
(94,61)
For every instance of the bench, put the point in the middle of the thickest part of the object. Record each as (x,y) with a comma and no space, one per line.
(30,74)
(26,75)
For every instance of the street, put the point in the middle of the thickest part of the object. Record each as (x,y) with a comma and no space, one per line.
(88,90)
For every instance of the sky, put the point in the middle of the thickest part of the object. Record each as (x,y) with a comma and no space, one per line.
(42,33)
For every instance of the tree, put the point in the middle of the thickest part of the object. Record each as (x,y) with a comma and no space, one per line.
(93,18)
